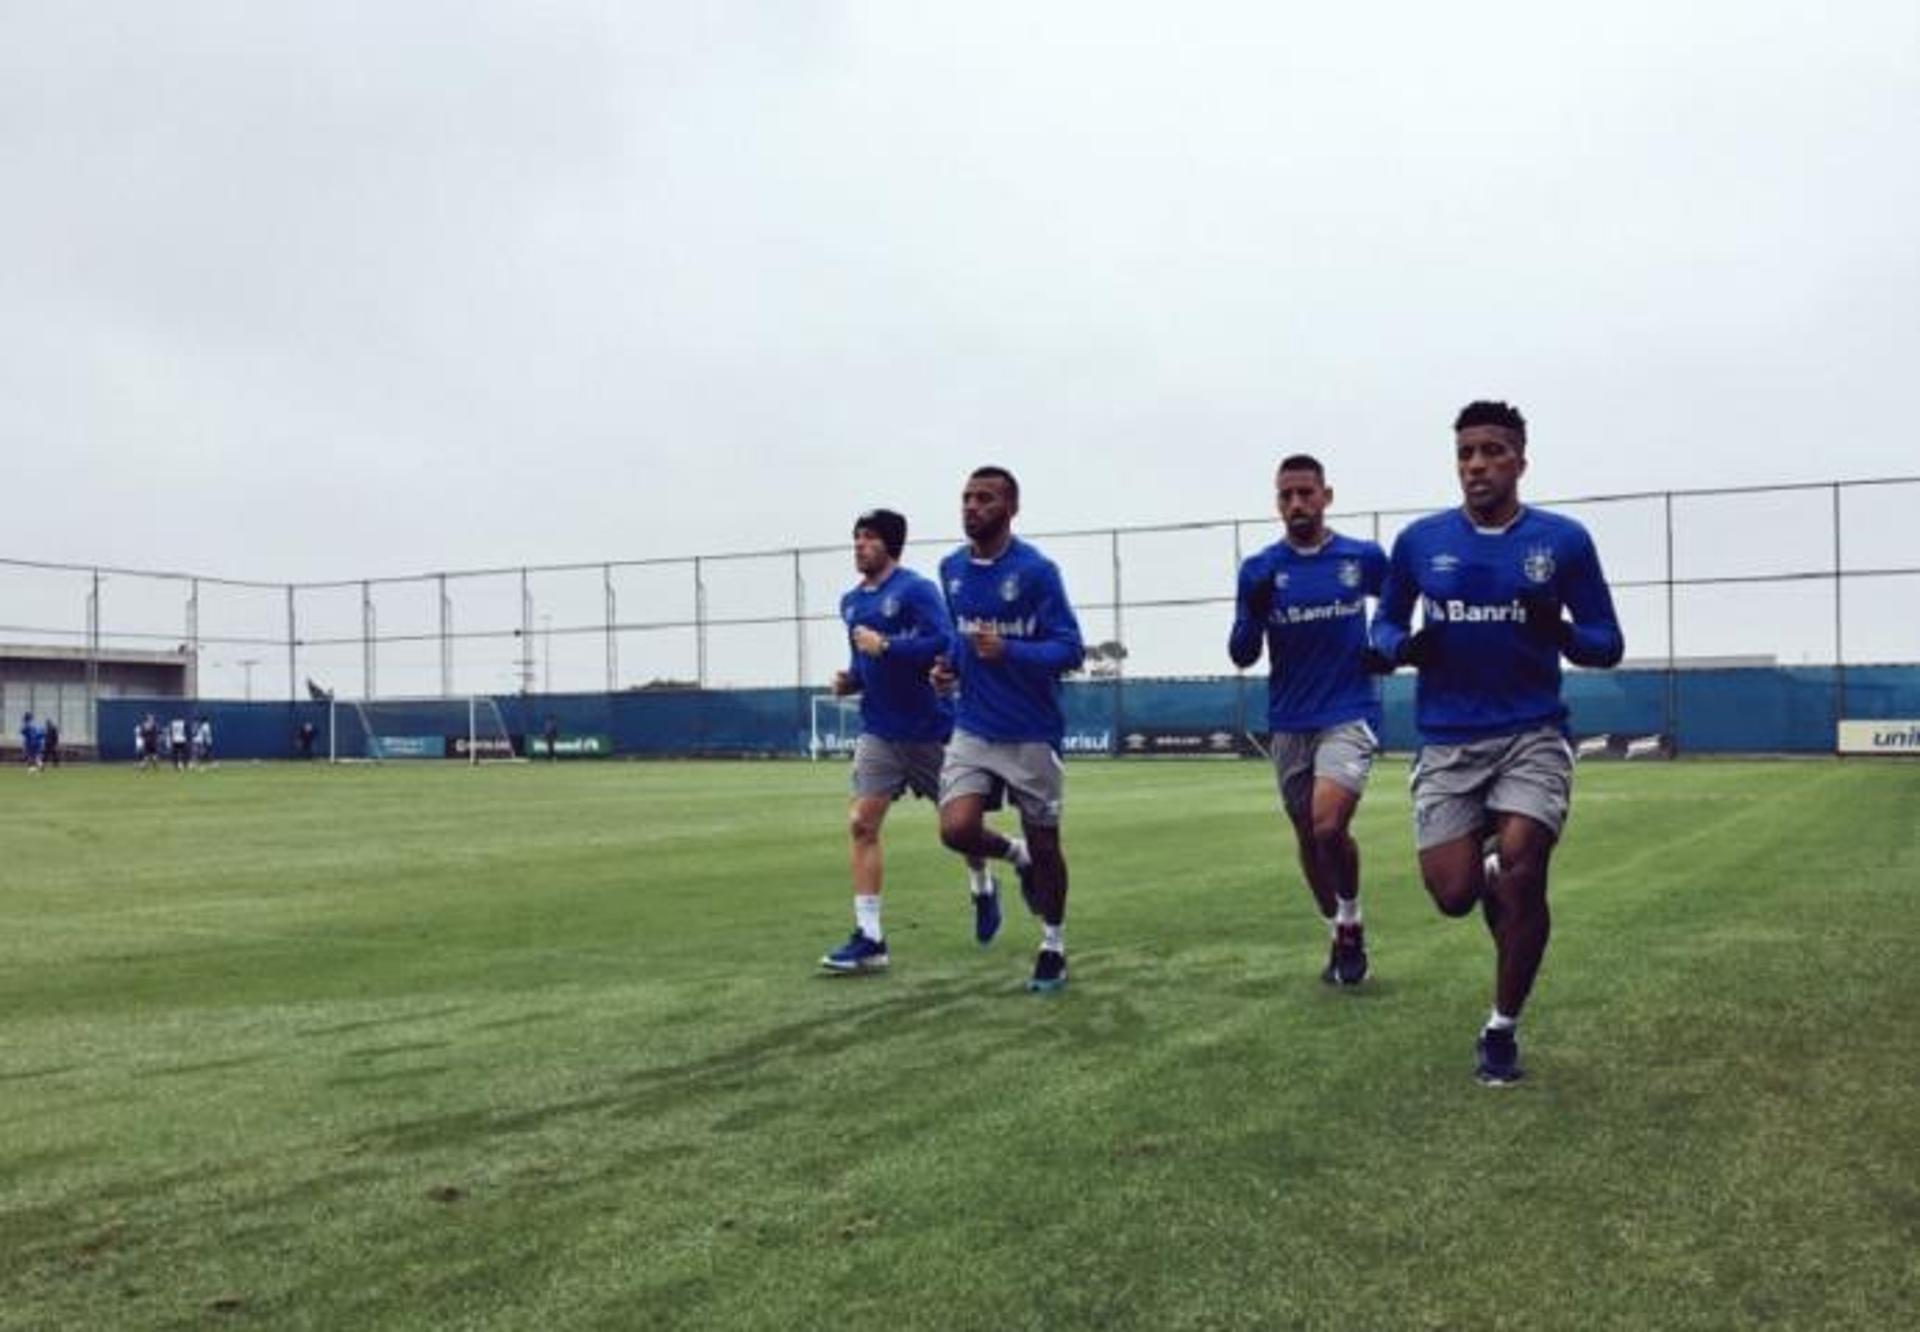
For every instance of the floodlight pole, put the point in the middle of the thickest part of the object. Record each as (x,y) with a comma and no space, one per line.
(446,639)
(1839,639)
(699,625)
(293,669)
(366,640)
(799,625)
(1120,642)
(1673,679)
(613,642)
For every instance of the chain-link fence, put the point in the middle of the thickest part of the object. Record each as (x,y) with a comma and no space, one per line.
(1813,574)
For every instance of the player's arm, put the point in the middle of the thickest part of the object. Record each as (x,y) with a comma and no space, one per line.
(1373,578)
(1252,604)
(1055,644)
(1594,637)
(1391,630)
(928,629)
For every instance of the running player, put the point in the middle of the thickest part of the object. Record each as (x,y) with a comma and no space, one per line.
(1492,579)
(896,625)
(1016,635)
(1304,599)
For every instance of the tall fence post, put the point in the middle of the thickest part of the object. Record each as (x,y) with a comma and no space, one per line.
(367,632)
(1839,633)
(193,633)
(93,661)
(1239,676)
(699,626)
(1120,641)
(526,634)
(446,638)
(799,626)
(1672,719)
(613,640)
(293,641)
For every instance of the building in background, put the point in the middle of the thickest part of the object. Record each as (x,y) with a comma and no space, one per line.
(62,683)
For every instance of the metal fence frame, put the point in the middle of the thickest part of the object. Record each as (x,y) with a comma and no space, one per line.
(610,626)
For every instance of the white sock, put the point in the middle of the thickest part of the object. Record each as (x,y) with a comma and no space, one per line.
(978,881)
(1501,1022)
(866,913)
(1492,867)
(1347,910)
(1017,852)
(1053,938)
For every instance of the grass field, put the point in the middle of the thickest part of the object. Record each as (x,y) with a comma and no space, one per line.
(545,1047)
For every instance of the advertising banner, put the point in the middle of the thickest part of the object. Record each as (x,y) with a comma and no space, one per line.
(1899,739)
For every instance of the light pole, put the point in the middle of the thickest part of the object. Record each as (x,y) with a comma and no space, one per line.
(247,664)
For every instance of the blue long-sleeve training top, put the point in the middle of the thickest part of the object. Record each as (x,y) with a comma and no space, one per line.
(896,700)
(1486,674)
(1314,633)
(1020,594)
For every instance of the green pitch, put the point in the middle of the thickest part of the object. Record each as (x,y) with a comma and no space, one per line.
(545,1047)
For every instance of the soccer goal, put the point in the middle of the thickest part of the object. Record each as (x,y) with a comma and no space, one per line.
(835,725)
(470,729)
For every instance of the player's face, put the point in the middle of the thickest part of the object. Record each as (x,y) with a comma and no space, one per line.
(986,509)
(869,552)
(1302,498)
(1491,459)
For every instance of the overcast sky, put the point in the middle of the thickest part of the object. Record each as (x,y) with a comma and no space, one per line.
(324,291)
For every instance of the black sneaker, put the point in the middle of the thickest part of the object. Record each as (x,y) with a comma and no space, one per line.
(1049,972)
(1349,962)
(1497,1058)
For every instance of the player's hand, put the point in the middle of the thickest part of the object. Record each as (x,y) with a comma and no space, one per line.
(844,684)
(943,677)
(869,641)
(988,645)
(1417,649)
(1375,662)
(1260,600)
(1544,624)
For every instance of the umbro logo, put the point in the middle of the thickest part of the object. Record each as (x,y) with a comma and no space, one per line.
(1444,563)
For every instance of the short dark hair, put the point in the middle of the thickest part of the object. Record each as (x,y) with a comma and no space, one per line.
(1483,412)
(889,526)
(1013,486)
(1303,462)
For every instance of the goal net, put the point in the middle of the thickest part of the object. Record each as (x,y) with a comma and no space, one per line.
(835,726)
(470,730)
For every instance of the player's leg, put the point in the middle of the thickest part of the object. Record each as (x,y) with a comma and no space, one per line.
(878,776)
(1036,783)
(1337,868)
(969,786)
(1529,796)
(925,765)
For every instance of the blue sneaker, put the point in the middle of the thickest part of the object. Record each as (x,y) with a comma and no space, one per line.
(857,954)
(1049,972)
(1348,965)
(986,912)
(1497,1058)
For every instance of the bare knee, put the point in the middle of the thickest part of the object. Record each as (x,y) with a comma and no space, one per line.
(864,828)
(959,834)
(1452,894)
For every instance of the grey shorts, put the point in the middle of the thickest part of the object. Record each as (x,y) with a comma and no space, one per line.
(891,768)
(1028,772)
(1457,787)
(1340,754)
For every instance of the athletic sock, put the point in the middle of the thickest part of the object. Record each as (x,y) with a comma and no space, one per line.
(866,913)
(1333,926)
(1017,852)
(978,881)
(1346,910)
(1501,1022)
(1053,938)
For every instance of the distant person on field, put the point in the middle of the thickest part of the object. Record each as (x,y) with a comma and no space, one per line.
(203,741)
(1015,635)
(896,625)
(177,744)
(148,733)
(33,743)
(550,736)
(1494,775)
(1304,600)
(303,739)
(53,743)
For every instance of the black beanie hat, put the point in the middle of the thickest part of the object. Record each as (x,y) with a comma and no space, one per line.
(889,526)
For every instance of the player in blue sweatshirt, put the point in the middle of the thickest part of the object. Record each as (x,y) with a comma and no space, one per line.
(1492,580)
(896,625)
(1015,636)
(1304,600)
